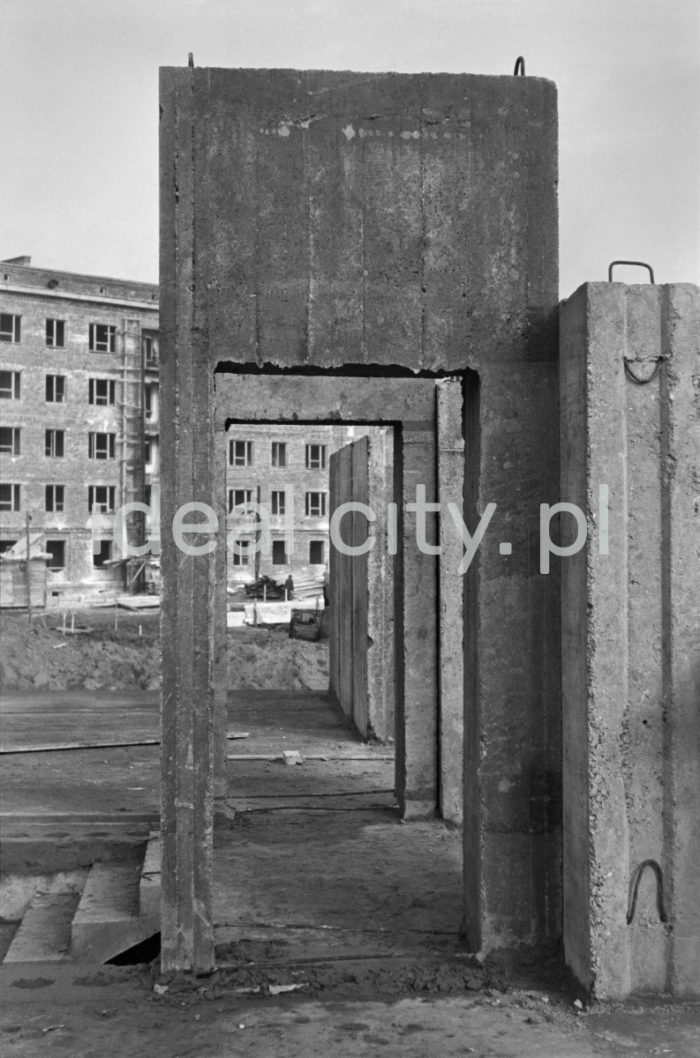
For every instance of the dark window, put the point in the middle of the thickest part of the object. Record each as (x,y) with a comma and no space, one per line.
(9,497)
(240,453)
(149,402)
(10,327)
(53,443)
(315,457)
(56,389)
(104,553)
(316,550)
(241,555)
(103,337)
(57,551)
(315,504)
(279,454)
(279,501)
(101,390)
(279,554)
(55,334)
(5,545)
(55,495)
(241,498)
(101,498)
(9,440)
(9,385)
(101,445)
(150,347)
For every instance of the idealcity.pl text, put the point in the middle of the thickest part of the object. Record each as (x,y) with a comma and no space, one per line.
(249,528)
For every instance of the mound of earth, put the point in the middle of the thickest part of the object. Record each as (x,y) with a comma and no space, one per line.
(122,650)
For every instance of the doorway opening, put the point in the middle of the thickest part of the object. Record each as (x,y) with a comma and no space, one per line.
(318,781)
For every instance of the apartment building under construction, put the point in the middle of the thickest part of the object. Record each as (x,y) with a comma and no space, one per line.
(79,432)
(79,420)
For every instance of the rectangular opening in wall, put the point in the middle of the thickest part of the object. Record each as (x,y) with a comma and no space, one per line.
(240,555)
(10,327)
(317,552)
(57,552)
(240,453)
(10,440)
(101,445)
(101,499)
(55,334)
(239,501)
(54,499)
(279,553)
(278,502)
(150,348)
(54,443)
(9,496)
(102,552)
(315,457)
(10,386)
(278,455)
(56,389)
(102,337)
(315,504)
(101,391)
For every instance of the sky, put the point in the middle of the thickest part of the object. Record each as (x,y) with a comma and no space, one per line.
(79,115)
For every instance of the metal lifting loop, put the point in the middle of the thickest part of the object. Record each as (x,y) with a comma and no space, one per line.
(640,264)
(519,66)
(634,889)
(636,378)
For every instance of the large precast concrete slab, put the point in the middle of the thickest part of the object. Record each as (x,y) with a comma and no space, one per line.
(371,224)
(630,380)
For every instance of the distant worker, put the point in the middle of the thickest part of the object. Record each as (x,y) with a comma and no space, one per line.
(289,587)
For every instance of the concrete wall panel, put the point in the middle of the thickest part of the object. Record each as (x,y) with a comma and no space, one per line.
(381,218)
(391,222)
(631,616)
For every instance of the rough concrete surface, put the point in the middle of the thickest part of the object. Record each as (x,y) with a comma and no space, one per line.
(631,630)
(372,223)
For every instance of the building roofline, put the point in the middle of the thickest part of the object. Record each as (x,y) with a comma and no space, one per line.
(76,275)
(25,280)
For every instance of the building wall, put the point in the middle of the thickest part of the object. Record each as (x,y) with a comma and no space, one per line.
(297,480)
(36,295)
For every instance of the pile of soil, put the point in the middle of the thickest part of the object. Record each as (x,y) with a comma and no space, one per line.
(267,659)
(121,651)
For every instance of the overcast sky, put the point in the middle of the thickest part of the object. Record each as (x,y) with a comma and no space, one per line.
(79,115)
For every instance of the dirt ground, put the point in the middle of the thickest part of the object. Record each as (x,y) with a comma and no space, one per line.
(130,1013)
(387,980)
(115,649)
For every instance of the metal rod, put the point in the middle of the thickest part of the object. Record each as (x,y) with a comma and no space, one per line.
(634,889)
(638,264)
